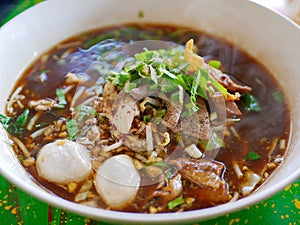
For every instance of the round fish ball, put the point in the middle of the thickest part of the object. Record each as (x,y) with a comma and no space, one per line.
(117,181)
(64,161)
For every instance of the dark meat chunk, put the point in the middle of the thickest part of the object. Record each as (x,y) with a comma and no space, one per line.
(223,107)
(226,81)
(198,124)
(142,92)
(172,116)
(208,177)
(124,109)
(232,109)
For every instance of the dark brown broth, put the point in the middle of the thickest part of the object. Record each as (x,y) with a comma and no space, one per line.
(256,129)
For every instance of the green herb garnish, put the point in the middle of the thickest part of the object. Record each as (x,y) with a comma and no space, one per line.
(252,156)
(72,128)
(166,70)
(15,126)
(215,63)
(278,97)
(147,118)
(250,102)
(60,93)
(85,111)
(176,202)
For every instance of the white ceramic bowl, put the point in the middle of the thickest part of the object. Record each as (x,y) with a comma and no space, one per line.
(274,40)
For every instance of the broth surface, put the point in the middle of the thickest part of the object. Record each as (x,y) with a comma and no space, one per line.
(256,141)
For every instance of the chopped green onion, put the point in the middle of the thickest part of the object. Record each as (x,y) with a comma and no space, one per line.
(147,118)
(278,97)
(215,63)
(176,202)
(60,93)
(129,86)
(72,128)
(252,156)
(144,56)
(160,113)
(85,111)
(153,87)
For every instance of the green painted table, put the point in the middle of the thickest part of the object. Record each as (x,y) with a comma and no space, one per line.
(19,208)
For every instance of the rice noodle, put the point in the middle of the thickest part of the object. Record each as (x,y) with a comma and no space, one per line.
(22,147)
(68,88)
(233,130)
(142,127)
(273,146)
(234,197)
(252,179)
(140,157)
(282,144)
(20,104)
(9,107)
(149,138)
(77,95)
(38,133)
(237,169)
(89,100)
(108,148)
(33,120)
(233,120)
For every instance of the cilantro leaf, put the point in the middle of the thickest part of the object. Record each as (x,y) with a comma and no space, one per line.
(252,156)
(250,103)
(15,125)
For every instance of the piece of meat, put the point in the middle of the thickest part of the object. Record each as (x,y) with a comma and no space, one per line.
(173,189)
(198,124)
(124,109)
(197,62)
(207,175)
(172,116)
(225,80)
(232,109)
(223,107)
(141,92)
(204,172)
(104,104)
(134,143)
(174,108)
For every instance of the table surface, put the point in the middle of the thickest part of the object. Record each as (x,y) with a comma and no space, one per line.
(19,208)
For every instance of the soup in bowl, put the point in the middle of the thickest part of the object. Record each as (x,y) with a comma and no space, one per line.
(125,111)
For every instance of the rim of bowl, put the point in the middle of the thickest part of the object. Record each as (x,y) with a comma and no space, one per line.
(162,218)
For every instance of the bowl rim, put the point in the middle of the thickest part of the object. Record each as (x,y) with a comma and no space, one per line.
(115,216)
